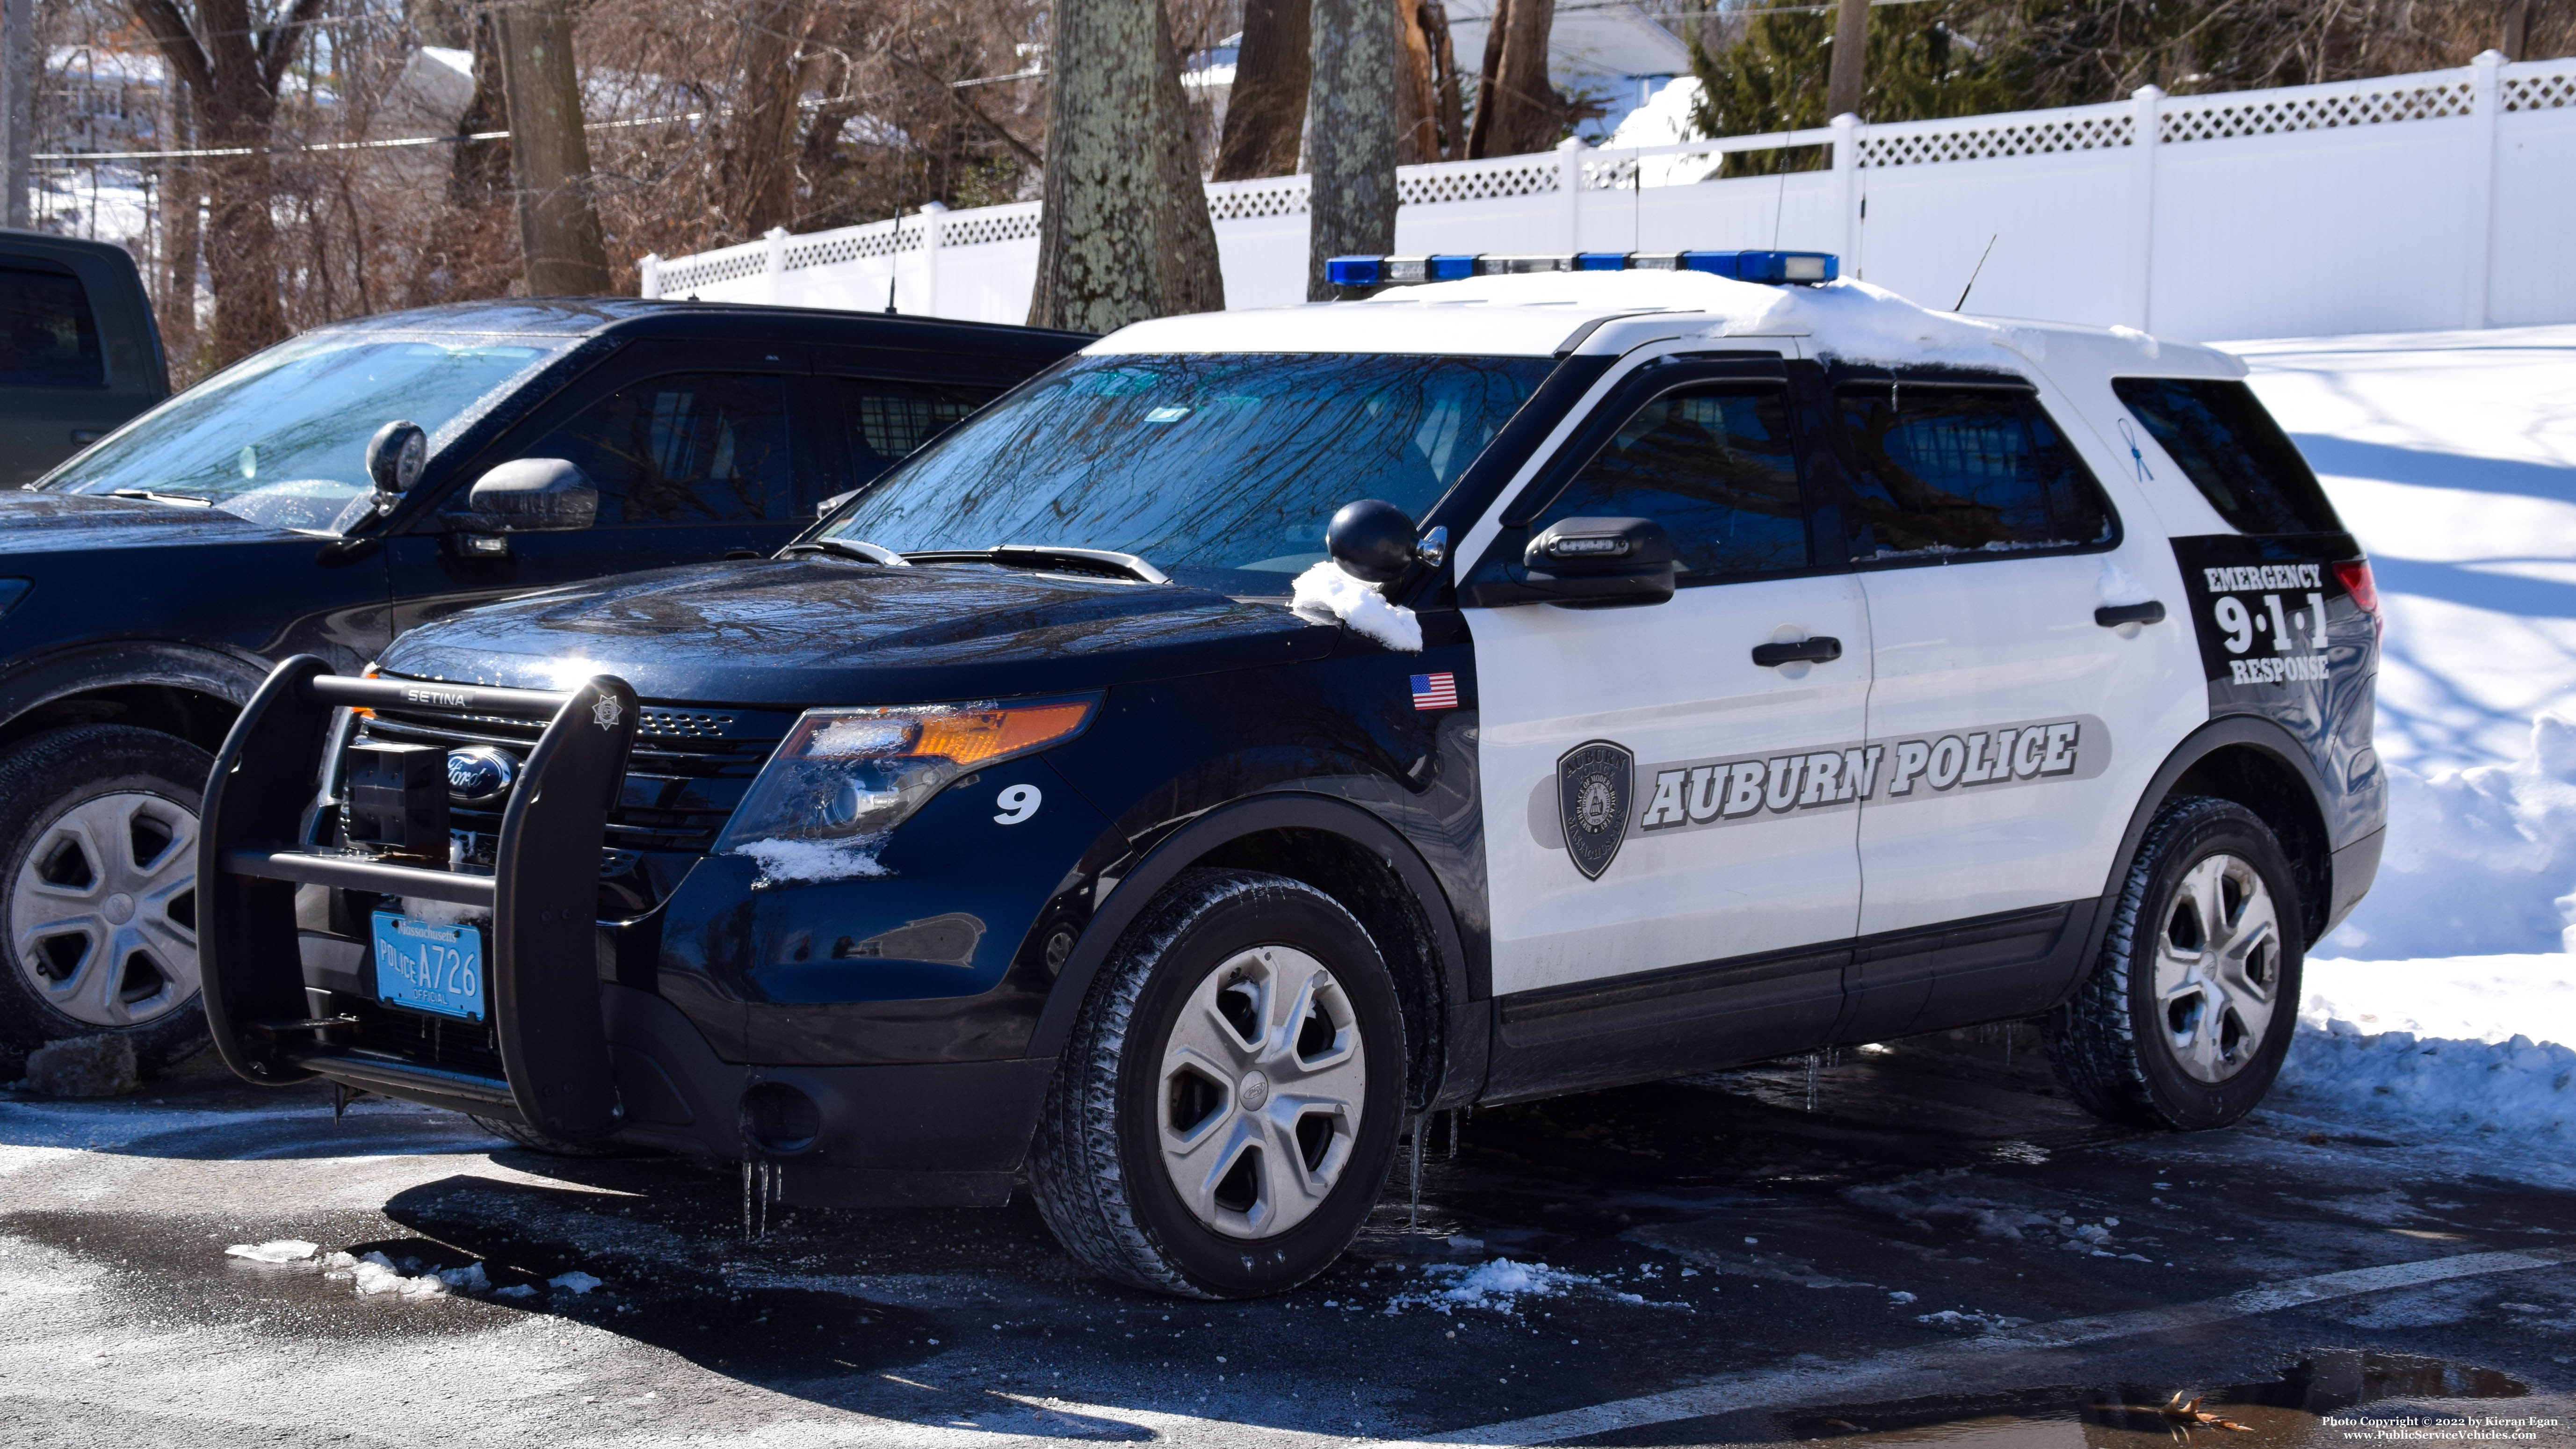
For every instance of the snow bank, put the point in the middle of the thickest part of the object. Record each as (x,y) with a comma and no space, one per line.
(2479,1043)
(1325,594)
(781,861)
(2479,862)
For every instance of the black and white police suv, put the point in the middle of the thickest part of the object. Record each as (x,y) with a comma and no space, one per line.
(1261,728)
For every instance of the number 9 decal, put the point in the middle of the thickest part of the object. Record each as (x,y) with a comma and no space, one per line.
(2238,623)
(1018,803)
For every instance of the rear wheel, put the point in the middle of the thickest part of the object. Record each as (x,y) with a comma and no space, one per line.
(99,923)
(2190,1010)
(1227,1110)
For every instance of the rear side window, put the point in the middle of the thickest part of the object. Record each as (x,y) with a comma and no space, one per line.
(47,336)
(1941,471)
(885,421)
(2239,459)
(1716,467)
(690,448)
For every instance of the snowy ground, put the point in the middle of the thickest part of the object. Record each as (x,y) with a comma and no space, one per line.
(2447,1001)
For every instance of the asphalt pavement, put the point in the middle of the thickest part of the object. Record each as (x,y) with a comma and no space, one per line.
(1901,1245)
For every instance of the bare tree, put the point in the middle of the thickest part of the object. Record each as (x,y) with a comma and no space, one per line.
(1516,106)
(1351,144)
(1417,112)
(1265,115)
(232,63)
(1125,233)
(757,160)
(1851,49)
(559,235)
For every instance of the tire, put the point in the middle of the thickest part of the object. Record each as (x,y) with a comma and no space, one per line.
(2189,1011)
(1164,1157)
(546,1142)
(98,892)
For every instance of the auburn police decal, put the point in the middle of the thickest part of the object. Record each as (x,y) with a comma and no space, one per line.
(1721,790)
(2261,607)
(1595,792)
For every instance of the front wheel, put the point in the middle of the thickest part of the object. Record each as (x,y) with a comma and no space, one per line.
(1227,1110)
(98,858)
(2189,1012)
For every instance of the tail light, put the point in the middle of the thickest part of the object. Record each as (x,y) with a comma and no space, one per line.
(2356,580)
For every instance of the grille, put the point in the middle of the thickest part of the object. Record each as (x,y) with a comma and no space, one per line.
(687,772)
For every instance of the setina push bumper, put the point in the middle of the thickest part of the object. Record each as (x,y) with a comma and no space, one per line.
(517,990)
(514,1003)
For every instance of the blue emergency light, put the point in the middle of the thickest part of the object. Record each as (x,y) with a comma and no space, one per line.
(1775,268)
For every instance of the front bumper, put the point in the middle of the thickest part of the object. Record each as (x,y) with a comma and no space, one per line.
(564,1052)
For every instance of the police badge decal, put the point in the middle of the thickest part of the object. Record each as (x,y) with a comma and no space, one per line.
(1595,784)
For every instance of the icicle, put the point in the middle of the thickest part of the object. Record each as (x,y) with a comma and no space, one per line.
(747,1171)
(1814,1059)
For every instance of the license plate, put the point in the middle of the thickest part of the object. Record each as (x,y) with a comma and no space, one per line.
(429,967)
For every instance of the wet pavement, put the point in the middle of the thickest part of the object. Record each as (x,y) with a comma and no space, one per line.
(1913,1244)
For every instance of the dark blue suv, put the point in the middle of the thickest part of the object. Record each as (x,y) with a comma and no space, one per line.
(148,584)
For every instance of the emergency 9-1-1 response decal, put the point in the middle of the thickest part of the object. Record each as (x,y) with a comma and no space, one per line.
(1720,790)
(2259,606)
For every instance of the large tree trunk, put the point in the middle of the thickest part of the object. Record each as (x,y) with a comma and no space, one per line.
(1417,113)
(1265,114)
(1517,113)
(20,70)
(1444,56)
(758,162)
(1125,234)
(559,234)
(479,173)
(1488,73)
(1351,146)
(181,190)
(1846,74)
(241,229)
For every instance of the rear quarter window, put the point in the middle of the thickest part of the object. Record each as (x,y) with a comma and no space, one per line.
(2239,459)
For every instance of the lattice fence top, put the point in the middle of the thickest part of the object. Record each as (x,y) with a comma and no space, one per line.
(853,243)
(2540,92)
(984,226)
(2321,108)
(1477,180)
(2088,128)
(1251,200)
(707,269)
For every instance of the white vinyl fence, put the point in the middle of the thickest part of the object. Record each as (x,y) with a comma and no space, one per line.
(2407,203)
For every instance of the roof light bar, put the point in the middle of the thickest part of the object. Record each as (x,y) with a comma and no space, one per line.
(1774,268)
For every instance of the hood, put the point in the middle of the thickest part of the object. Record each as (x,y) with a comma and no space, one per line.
(803,632)
(65,522)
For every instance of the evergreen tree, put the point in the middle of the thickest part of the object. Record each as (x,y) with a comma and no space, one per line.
(1920,66)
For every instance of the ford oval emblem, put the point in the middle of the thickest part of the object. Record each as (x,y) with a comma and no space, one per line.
(480,775)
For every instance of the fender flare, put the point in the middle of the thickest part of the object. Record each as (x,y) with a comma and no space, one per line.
(40,681)
(1177,851)
(2225,732)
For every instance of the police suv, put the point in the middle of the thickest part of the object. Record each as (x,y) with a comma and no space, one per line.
(1263,728)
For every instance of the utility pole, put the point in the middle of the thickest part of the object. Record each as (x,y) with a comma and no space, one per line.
(559,234)
(18,74)
(1851,48)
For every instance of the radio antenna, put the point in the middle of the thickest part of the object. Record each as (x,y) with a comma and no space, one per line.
(1978,271)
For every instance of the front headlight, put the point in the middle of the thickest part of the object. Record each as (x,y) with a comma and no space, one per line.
(844,774)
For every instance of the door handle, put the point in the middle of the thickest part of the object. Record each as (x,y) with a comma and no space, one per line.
(1823,649)
(2112,616)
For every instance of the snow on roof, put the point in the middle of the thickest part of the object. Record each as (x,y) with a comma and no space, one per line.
(1539,314)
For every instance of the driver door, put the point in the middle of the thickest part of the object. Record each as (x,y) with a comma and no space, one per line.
(1671,827)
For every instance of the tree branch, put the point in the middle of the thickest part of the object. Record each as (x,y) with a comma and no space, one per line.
(1018,147)
(277,44)
(178,43)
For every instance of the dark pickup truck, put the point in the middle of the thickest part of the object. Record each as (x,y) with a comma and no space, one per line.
(79,353)
(337,489)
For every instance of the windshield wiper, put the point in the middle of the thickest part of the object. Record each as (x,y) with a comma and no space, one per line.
(184,500)
(854,549)
(1067,560)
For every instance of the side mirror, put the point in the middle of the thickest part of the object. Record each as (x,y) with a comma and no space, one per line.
(1373,541)
(1601,562)
(536,495)
(395,456)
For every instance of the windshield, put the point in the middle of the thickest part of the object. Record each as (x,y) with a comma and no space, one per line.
(1226,466)
(281,437)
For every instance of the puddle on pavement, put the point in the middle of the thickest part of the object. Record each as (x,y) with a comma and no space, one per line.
(2295,1410)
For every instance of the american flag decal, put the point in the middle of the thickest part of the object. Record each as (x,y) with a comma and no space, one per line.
(1435,691)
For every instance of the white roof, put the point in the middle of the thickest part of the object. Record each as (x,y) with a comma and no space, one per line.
(1541,314)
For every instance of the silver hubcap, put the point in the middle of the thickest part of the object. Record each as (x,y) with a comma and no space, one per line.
(1262,1083)
(103,914)
(2218,968)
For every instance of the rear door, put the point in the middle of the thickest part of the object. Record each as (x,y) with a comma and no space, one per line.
(2013,725)
(1670,826)
(699,451)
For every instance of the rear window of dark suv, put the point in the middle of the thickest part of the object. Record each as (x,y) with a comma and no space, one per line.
(2232,451)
